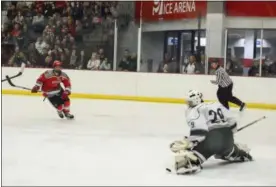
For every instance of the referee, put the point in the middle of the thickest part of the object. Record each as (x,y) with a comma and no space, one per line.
(225,86)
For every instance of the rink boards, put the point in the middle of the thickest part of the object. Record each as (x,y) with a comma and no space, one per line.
(149,87)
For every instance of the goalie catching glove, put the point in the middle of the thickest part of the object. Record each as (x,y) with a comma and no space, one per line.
(180,145)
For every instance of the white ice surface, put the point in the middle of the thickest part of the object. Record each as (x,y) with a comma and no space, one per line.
(118,143)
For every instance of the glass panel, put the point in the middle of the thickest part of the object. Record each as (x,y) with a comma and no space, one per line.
(211,59)
(152,52)
(127,40)
(169,63)
(71,32)
(186,50)
(160,51)
(172,45)
(253,68)
(200,51)
(241,50)
(269,53)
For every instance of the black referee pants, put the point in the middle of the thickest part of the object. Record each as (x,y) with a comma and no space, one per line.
(225,95)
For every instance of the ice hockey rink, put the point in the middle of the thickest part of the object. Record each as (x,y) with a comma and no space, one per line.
(119,143)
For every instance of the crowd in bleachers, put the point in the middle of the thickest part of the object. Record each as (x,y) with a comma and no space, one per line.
(39,32)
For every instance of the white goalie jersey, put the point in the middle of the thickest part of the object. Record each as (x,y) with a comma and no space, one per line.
(206,117)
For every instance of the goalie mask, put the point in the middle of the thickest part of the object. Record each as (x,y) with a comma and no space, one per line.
(194,98)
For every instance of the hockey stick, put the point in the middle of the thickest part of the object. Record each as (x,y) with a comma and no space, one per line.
(251,123)
(13,85)
(18,74)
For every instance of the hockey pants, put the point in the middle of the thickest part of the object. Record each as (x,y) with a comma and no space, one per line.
(58,102)
(217,142)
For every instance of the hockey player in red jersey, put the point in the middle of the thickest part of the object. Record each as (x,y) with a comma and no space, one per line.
(50,84)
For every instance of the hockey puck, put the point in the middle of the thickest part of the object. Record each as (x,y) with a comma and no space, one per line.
(168,170)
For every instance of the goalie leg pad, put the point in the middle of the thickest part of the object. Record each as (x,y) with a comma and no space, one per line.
(239,153)
(186,162)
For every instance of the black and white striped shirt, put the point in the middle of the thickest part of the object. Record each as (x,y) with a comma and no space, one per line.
(222,78)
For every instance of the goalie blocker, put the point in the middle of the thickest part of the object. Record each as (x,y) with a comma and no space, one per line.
(211,134)
(50,83)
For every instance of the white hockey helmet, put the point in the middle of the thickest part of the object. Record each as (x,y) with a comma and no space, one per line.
(194,98)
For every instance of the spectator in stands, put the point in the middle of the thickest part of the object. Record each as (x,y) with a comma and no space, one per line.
(73,59)
(101,54)
(18,58)
(38,22)
(272,69)
(77,10)
(236,67)
(78,26)
(124,64)
(254,69)
(49,9)
(49,60)
(201,64)
(60,6)
(19,18)
(81,60)
(191,68)
(105,65)
(41,46)
(113,10)
(16,30)
(94,62)
(32,54)
(163,66)
(7,38)
(11,12)
(38,19)
(71,27)
(59,26)
(133,62)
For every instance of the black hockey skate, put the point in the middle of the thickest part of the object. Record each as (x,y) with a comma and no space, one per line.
(242,107)
(245,157)
(238,155)
(69,116)
(60,114)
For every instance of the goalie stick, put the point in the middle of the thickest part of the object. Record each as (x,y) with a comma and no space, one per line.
(240,129)
(18,74)
(251,123)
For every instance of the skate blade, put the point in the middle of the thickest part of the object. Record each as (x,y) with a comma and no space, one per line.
(70,118)
(61,116)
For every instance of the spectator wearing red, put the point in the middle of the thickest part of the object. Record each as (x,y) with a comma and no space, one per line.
(11,12)
(71,27)
(16,30)
(60,6)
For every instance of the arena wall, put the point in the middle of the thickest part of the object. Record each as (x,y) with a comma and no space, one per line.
(149,87)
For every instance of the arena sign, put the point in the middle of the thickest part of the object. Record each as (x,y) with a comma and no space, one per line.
(170,10)
(172,7)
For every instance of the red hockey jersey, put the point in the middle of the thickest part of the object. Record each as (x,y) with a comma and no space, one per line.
(50,83)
